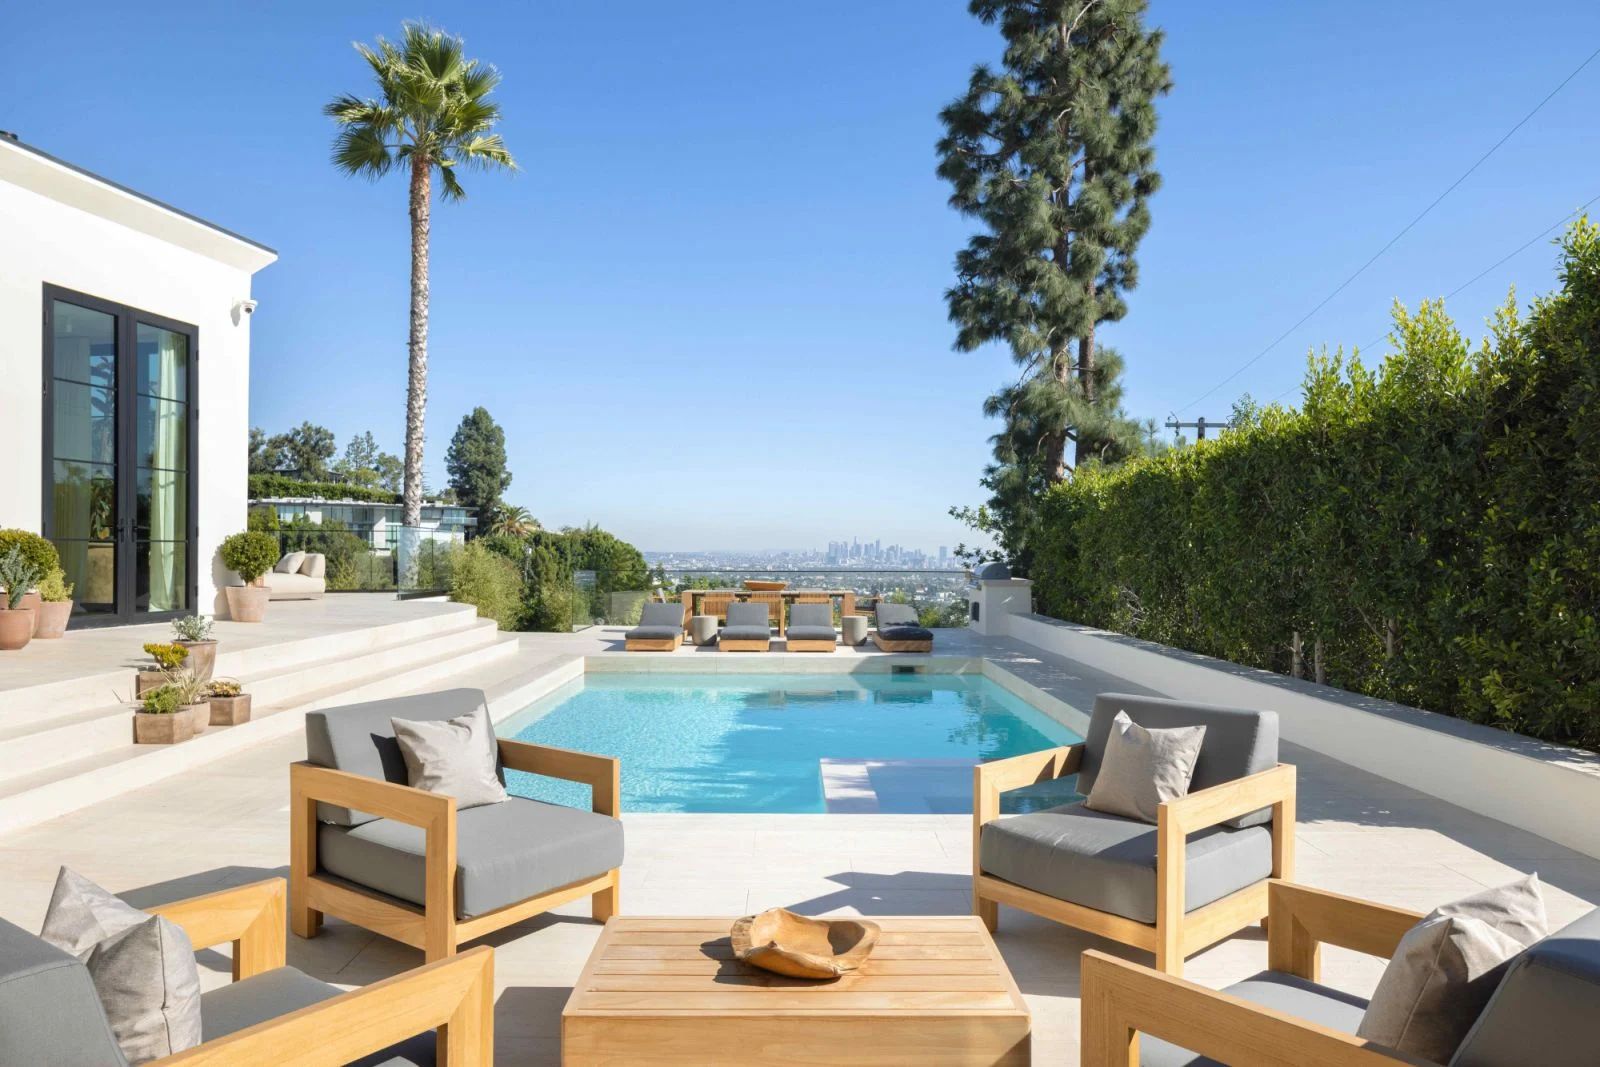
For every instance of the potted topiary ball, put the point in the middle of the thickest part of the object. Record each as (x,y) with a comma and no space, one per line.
(193,633)
(158,721)
(249,555)
(56,609)
(17,575)
(41,554)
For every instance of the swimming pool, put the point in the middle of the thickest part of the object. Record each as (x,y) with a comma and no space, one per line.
(786,742)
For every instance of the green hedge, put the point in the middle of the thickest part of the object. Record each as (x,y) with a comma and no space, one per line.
(1429,530)
(281,485)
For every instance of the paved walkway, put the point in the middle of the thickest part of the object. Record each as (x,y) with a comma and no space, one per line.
(228,824)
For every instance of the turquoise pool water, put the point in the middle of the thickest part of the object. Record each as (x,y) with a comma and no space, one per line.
(784,742)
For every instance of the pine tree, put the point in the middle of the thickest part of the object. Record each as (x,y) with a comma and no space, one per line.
(476,463)
(1053,155)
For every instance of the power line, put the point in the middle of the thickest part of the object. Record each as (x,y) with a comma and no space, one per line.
(1485,272)
(1391,242)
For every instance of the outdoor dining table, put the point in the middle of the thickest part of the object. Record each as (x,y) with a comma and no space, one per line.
(845,597)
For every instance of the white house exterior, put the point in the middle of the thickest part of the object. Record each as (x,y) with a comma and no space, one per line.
(125,363)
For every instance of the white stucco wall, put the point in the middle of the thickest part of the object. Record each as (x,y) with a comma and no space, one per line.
(60,227)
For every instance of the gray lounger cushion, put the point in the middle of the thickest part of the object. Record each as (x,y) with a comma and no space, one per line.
(811,633)
(811,616)
(659,617)
(1238,741)
(905,633)
(231,1008)
(1271,989)
(1546,1009)
(654,633)
(49,1011)
(358,738)
(504,853)
(895,615)
(1108,863)
(746,633)
(749,615)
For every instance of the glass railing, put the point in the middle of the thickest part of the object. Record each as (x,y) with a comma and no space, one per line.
(417,562)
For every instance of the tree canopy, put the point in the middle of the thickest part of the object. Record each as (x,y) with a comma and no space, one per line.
(476,464)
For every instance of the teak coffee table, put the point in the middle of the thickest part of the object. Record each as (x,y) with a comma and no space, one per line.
(668,991)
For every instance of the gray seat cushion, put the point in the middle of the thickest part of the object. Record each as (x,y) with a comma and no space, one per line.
(233,1007)
(1238,742)
(746,633)
(905,633)
(895,615)
(811,633)
(654,633)
(1108,863)
(49,1011)
(753,615)
(505,853)
(811,616)
(1546,1009)
(358,738)
(1271,989)
(669,615)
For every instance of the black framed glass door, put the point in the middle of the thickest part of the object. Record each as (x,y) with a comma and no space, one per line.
(119,456)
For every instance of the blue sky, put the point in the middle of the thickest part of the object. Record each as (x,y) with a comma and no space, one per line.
(709,311)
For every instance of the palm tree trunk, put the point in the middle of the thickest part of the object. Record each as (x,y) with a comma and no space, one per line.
(417,384)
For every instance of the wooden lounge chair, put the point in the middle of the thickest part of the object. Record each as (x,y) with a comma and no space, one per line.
(660,629)
(1197,876)
(898,630)
(405,863)
(1545,1010)
(811,629)
(270,1014)
(749,629)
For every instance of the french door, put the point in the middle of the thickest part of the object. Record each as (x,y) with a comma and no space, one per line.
(120,456)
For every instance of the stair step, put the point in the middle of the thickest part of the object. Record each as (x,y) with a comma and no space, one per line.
(47,793)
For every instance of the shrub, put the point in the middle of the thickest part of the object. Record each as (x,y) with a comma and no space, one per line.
(168,657)
(163,700)
(281,485)
(39,553)
(249,555)
(54,587)
(192,628)
(489,582)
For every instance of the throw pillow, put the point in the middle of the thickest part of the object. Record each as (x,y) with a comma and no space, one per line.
(1142,769)
(142,966)
(1447,967)
(290,563)
(455,757)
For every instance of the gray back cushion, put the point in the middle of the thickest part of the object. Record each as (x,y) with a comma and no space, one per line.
(811,615)
(358,738)
(1546,1009)
(662,615)
(1238,741)
(749,615)
(896,615)
(49,1012)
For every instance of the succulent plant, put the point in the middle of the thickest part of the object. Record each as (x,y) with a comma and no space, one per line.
(190,689)
(168,657)
(18,574)
(192,628)
(161,701)
(224,687)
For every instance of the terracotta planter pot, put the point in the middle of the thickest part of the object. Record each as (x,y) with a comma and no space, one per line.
(199,715)
(246,603)
(147,681)
(16,628)
(230,711)
(162,729)
(53,618)
(33,602)
(202,658)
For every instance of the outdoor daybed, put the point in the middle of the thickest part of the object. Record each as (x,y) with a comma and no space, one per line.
(811,628)
(898,630)
(297,576)
(749,629)
(660,629)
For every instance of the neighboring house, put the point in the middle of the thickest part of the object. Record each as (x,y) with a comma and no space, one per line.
(377,524)
(131,320)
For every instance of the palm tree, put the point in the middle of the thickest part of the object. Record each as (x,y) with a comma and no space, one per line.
(514,520)
(432,113)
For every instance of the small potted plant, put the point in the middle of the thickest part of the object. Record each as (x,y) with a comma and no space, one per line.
(168,659)
(230,704)
(157,721)
(17,574)
(192,699)
(250,555)
(41,554)
(56,608)
(193,633)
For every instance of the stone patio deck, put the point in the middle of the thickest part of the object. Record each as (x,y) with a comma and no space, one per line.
(227,824)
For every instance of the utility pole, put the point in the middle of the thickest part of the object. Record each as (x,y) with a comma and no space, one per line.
(1200,425)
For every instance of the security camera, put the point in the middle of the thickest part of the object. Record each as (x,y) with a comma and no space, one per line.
(247,306)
